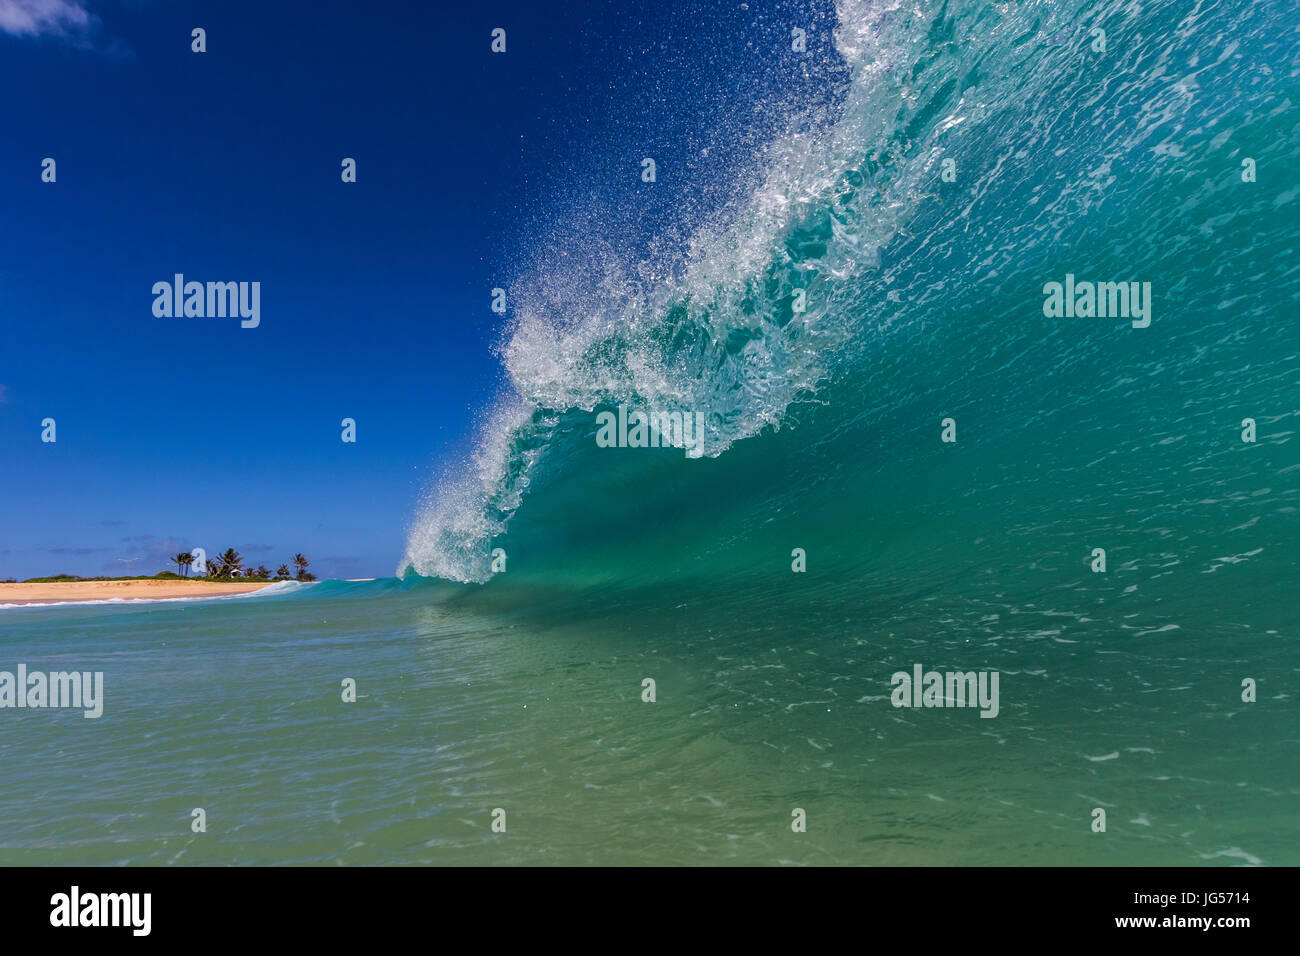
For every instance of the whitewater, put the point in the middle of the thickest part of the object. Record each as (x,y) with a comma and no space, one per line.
(919,470)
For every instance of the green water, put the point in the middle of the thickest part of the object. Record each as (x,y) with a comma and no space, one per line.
(235,706)
(521,690)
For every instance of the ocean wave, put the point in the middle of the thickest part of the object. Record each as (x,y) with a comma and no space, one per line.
(849,209)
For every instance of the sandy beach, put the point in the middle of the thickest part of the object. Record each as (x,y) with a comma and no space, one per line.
(60,591)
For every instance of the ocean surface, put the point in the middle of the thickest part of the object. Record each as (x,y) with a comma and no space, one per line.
(521,689)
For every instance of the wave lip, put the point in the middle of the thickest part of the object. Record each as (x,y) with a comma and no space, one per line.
(847,241)
(719,332)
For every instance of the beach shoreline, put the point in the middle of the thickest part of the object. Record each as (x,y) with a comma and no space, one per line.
(65,592)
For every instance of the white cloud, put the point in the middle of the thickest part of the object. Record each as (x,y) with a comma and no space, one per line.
(35,17)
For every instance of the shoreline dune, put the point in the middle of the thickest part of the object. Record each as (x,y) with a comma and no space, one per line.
(58,592)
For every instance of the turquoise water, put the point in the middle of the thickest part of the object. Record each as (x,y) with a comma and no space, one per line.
(522,689)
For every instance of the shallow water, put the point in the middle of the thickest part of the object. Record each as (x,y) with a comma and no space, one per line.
(1119,690)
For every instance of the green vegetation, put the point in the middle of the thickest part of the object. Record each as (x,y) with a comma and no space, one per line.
(160,576)
(227,566)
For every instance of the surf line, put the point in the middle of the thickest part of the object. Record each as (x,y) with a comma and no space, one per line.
(1102,300)
(56,689)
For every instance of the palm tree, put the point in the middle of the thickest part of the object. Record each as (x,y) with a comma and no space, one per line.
(183,561)
(262,572)
(282,572)
(232,563)
(300,563)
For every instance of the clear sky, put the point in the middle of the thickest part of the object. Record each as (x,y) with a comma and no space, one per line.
(175,433)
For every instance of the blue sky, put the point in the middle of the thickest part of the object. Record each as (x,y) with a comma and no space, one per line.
(193,432)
